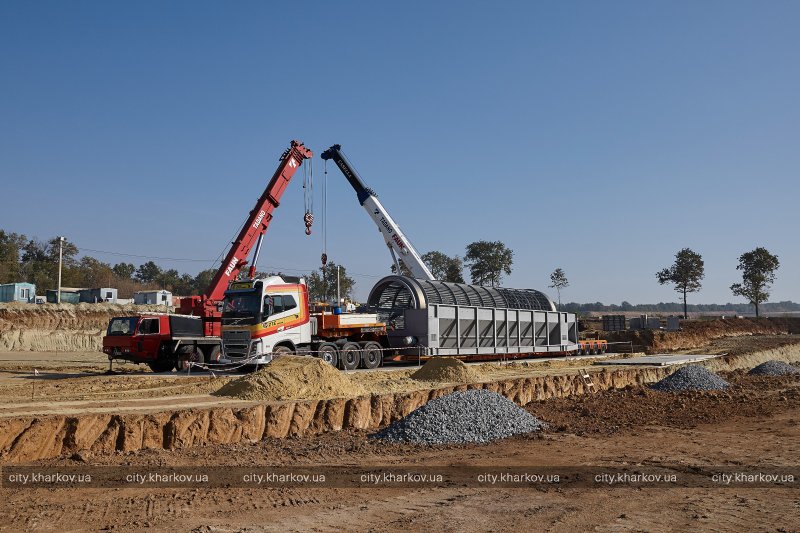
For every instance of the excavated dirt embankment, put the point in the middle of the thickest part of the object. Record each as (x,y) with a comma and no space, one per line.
(30,438)
(699,333)
(59,327)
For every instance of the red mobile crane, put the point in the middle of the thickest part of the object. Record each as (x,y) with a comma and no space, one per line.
(166,341)
(252,233)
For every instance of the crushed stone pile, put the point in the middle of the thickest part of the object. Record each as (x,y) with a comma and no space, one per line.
(292,378)
(774,368)
(462,417)
(691,377)
(446,370)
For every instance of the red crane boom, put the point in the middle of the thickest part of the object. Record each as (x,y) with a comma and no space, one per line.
(206,306)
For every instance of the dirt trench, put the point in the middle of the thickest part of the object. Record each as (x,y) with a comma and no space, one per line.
(30,438)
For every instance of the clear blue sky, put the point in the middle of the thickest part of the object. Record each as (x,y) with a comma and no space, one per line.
(599,137)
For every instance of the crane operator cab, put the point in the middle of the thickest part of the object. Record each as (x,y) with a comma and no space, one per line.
(264,317)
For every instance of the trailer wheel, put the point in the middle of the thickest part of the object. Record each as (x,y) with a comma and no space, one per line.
(371,355)
(603,348)
(328,353)
(161,365)
(349,356)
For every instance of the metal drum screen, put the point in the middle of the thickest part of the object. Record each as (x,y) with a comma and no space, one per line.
(442,318)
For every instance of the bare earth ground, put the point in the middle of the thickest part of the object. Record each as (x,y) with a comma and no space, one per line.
(755,423)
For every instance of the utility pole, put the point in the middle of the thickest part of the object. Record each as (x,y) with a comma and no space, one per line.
(338,288)
(60,252)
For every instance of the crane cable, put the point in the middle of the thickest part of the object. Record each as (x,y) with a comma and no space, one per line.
(325,216)
(308,195)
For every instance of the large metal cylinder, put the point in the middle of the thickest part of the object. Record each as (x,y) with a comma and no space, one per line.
(446,318)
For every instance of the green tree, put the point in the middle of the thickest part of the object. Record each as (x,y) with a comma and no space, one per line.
(444,267)
(686,273)
(37,267)
(124,270)
(758,273)
(322,283)
(558,281)
(10,246)
(148,272)
(203,279)
(69,252)
(92,273)
(404,270)
(488,261)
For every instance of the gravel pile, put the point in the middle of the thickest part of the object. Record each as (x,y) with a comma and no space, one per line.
(691,377)
(461,417)
(774,368)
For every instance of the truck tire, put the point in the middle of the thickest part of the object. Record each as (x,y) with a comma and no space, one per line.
(161,365)
(280,351)
(212,353)
(188,354)
(371,355)
(329,353)
(349,356)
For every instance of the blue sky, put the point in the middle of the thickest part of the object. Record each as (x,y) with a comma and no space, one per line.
(600,137)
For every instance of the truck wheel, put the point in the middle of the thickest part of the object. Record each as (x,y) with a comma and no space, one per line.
(189,354)
(280,351)
(603,348)
(328,353)
(211,354)
(161,365)
(350,356)
(371,355)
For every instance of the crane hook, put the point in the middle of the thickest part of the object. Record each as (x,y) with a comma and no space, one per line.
(309,220)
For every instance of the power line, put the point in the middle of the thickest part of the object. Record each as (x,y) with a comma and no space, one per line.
(145,256)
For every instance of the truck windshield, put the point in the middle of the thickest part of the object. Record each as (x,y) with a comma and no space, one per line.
(125,325)
(242,305)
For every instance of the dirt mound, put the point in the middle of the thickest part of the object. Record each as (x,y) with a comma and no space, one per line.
(699,333)
(59,327)
(446,370)
(293,378)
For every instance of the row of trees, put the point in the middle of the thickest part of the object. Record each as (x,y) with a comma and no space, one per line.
(34,261)
(757,267)
(677,308)
(487,261)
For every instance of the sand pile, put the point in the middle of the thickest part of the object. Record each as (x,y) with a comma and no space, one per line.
(292,378)
(446,370)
